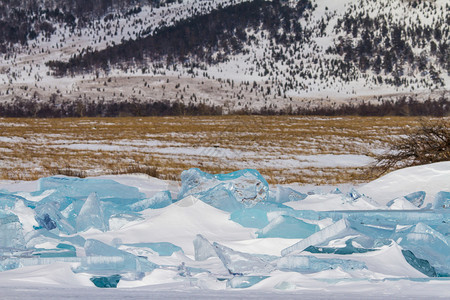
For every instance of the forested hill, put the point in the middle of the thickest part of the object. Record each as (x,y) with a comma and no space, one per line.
(238,54)
(200,40)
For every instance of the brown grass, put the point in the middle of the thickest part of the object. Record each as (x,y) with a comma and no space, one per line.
(33,148)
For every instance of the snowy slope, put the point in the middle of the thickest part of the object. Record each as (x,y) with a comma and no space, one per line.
(290,74)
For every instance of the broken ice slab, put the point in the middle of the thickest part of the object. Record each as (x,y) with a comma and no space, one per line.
(162,248)
(286,194)
(91,215)
(421,265)
(81,188)
(247,186)
(250,217)
(312,264)
(256,216)
(118,221)
(8,201)
(287,227)
(222,197)
(203,248)
(11,234)
(106,281)
(12,263)
(353,195)
(389,217)
(242,282)
(426,243)
(348,249)
(49,217)
(61,250)
(416,198)
(401,204)
(239,263)
(41,236)
(442,200)
(340,229)
(411,201)
(107,258)
(159,200)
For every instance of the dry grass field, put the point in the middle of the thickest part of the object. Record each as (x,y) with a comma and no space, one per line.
(285,149)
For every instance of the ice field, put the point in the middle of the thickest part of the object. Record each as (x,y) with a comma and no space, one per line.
(226,236)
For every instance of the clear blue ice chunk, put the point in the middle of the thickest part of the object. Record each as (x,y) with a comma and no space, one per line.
(421,265)
(242,282)
(287,227)
(203,248)
(81,188)
(106,281)
(340,229)
(442,200)
(349,248)
(416,198)
(49,217)
(102,257)
(162,248)
(221,196)
(250,217)
(246,186)
(159,200)
(239,263)
(286,194)
(91,215)
(11,234)
(312,264)
(428,244)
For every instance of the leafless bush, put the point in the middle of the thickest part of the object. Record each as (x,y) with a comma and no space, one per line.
(428,143)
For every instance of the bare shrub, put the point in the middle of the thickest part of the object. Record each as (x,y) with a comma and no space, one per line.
(428,143)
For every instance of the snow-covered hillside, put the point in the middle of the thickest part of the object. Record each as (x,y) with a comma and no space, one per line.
(226,232)
(317,53)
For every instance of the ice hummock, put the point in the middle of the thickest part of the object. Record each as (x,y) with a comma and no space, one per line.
(261,237)
(247,187)
(81,188)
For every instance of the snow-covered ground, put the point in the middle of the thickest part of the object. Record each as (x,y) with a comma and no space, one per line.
(226,236)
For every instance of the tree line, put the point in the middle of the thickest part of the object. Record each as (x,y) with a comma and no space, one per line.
(61,108)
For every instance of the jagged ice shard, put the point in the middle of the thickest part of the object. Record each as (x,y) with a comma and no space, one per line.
(247,187)
(91,215)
